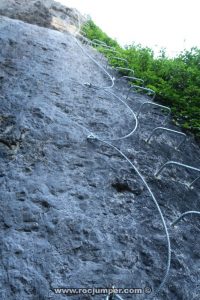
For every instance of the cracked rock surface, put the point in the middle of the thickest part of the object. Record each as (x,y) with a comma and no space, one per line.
(73,212)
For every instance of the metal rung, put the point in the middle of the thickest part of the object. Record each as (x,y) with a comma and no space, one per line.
(112,50)
(102,44)
(185,214)
(82,32)
(97,44)
(98,41)
(141,88)
(181,165)
(117,58)
(169,130)
(130,77)
(105,47)
(120,58)
(157,105)
(109,47)
(124,69)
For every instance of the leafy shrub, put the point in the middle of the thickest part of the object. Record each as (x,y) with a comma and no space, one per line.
(176,81)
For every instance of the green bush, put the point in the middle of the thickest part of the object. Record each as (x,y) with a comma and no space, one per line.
(176,81)
(94,32)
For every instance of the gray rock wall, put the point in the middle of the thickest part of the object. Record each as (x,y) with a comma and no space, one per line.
(45,13)
(73,212)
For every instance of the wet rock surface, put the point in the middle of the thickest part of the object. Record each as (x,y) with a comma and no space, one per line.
(73,212)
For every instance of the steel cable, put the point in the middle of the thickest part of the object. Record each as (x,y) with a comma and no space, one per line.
(112,79)
(155,202)
(108,92)
(92,136)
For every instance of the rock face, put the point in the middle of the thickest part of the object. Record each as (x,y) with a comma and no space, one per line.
(73,212)
(45,13)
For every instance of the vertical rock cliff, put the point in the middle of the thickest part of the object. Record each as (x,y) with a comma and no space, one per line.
(73,212)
